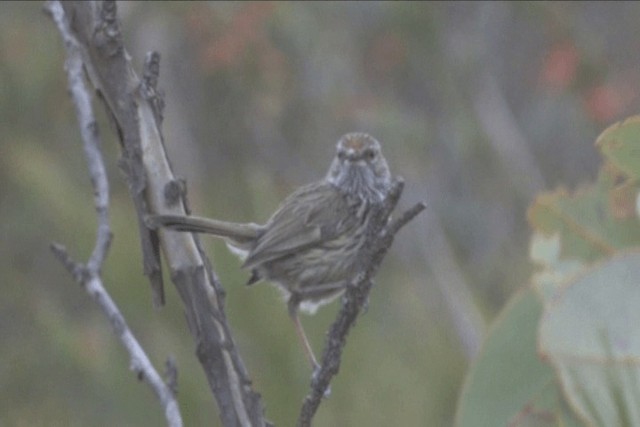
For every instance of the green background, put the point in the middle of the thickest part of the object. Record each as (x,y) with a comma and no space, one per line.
(479,106)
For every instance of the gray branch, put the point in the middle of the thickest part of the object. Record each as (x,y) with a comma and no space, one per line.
(135,107)
(139,361)
(380,235)
(89,275)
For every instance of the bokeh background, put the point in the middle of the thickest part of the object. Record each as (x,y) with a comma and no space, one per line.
(479,106)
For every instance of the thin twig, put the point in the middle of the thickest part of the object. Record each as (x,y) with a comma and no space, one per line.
(89,275)
(171,374)
(380,235)
(138,360)
(135,107)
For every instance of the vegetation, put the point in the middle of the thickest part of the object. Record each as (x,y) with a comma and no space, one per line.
(489,112)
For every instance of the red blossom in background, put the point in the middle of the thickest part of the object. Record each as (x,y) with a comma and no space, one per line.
(388,52)
(560,65)
(604,103)
(246,30)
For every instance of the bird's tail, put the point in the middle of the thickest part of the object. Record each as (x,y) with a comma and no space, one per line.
(235,232)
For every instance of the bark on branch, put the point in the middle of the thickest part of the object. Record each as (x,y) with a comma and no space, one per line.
(380,235)
(88,275)
(135,107)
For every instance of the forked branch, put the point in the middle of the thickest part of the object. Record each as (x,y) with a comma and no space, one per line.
(89,274)
(135,107)
(380,235)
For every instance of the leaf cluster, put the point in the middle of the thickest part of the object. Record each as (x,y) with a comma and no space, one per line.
(566,350)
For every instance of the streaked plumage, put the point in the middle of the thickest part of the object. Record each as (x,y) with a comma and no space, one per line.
(310,244)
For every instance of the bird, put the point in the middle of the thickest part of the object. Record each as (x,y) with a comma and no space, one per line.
(309,247)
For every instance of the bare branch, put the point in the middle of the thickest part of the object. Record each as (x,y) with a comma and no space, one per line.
(90,136)
(96,27)
(138,360)
(77,270)
(171,375)
(149,89)
(89,275)
(136,110)
(380,235)
(406,216)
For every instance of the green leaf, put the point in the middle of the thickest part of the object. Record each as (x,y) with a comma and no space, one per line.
(545,251)
(590,335)
(620,144)
(593,222)
(508,382)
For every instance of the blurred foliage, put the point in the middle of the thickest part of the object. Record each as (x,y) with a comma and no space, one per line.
(256,95)
(579,314)
(508,376)
(594,221)
(589,336)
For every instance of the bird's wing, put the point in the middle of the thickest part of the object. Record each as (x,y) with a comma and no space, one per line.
(306,218)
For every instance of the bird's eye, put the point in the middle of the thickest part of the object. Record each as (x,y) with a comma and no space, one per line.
(342,155)
(369,154)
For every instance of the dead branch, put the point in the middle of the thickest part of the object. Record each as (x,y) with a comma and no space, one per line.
(380,235)
(89,274)
(135,107)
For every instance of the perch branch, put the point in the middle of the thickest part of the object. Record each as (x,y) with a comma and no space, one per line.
(135,107)
(380,235)
(89,275)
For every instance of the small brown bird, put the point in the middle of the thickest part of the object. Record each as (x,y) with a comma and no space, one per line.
(309,247)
